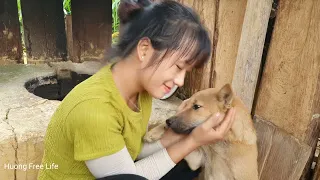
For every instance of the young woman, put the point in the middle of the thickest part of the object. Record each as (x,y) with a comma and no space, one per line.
(97,130)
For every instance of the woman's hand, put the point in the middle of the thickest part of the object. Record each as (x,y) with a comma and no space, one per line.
(210,131)
(170,137)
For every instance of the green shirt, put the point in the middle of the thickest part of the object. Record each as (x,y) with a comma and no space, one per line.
(92,121)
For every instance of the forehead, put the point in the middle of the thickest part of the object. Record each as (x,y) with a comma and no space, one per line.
(181,59)
(205,96)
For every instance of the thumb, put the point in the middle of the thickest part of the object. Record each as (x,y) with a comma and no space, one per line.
(213,121)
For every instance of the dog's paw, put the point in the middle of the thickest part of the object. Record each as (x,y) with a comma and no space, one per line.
(155,133)
(194,160)
(149,138)
(152,136)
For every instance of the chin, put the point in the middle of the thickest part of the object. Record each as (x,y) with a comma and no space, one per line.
(157,95)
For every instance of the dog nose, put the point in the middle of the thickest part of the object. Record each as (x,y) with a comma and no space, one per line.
(169,122)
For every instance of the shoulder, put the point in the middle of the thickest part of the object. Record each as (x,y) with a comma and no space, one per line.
(95,89)
(95,109)
(94,114)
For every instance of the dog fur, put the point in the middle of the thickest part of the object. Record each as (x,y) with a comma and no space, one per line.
(234,158)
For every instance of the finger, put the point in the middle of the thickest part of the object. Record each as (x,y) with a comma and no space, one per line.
(226,124)
(219,121)
(213,121)
(233,113)
(232,118)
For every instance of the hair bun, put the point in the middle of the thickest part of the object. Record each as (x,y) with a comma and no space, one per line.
(129,8)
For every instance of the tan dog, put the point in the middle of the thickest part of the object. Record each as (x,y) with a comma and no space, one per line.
(235,158)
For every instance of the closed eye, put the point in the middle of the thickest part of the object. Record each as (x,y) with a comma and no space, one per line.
(179,67)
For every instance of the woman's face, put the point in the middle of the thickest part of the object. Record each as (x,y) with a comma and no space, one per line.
(158,80)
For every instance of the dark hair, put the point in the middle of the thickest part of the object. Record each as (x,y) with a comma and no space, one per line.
(169,25)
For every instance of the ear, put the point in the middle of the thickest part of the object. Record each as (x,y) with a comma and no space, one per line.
(144,49)
(225,95)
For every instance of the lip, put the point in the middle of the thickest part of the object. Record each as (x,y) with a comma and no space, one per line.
(167,89)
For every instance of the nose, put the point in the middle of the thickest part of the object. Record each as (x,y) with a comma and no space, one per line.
(179,80)
(169,122)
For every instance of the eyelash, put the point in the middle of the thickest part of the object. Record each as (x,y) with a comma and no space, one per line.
(179,67)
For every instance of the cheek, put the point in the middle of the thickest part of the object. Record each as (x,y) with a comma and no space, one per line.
(158,77)
(197,116)
(150,80)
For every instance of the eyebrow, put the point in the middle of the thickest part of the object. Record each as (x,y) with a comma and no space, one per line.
(186,63)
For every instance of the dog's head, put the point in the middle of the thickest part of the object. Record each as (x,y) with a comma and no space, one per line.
(199,107)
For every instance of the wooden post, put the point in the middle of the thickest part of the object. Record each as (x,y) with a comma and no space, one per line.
(44,28)
(289,94)
(68,23)
(91,28)
(223,19)
(10,38)
(250,50)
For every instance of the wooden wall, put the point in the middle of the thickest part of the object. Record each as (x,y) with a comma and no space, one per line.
(91,28)
(10,45)
(223,20)
(289,90)
(44,30)
(289,94)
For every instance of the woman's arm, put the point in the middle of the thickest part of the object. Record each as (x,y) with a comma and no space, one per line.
(150,148)
(167,139)
(152,167)
(158,164)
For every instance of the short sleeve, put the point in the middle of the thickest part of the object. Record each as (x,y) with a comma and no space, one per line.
(95,129)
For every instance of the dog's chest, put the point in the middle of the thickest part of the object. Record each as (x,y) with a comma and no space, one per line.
(217,160)
(219,149)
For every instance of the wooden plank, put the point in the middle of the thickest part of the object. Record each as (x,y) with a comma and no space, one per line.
(230,22)
(281,156)
(68,23)
(250,50)
(264,132)
(289,92)
(91,28)
(313,132)
(223,19)
(44,27)
(316,175)
(10,38)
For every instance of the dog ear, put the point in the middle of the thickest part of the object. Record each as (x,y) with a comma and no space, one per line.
(225,95)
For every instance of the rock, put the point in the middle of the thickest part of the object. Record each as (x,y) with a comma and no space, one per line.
(163,109)
(7,149)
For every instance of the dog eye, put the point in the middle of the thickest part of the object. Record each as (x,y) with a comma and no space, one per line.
(196,106)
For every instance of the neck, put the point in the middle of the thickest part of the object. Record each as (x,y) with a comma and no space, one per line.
(126,79)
